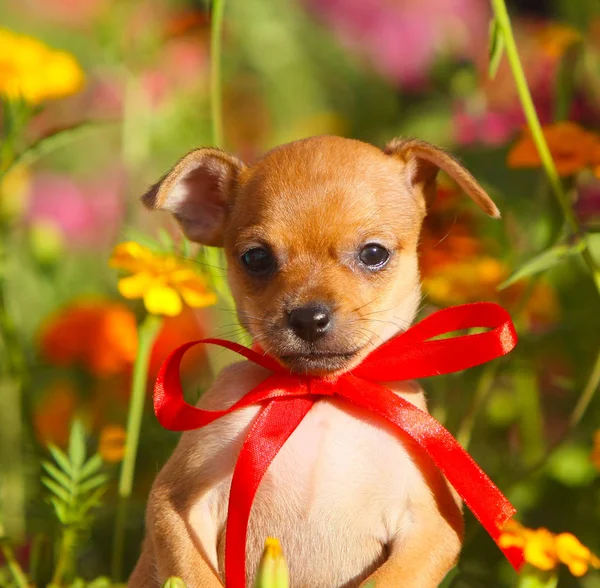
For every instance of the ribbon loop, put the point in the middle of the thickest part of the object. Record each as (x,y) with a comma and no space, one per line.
(287,397)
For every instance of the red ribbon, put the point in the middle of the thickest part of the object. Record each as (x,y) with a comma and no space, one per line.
(287,397)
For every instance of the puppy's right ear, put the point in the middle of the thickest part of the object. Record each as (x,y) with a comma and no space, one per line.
(197,192)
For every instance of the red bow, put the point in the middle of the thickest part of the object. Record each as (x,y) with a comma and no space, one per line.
(287,397)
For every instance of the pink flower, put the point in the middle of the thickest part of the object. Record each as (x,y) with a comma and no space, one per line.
(487,128)
(87,214)
(402,38)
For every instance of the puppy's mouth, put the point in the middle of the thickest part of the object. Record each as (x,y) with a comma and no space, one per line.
(320,362)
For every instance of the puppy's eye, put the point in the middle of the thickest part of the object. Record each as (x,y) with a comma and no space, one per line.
(258,261)
(373,255)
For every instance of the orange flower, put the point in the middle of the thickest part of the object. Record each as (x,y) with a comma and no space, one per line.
(53,415)
(465,281)
(555,38)
(572,148)
(99,334)
(544,550)
(596,450)
(112,443)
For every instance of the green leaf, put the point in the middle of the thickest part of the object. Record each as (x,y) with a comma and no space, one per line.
(495,48)
(77,446)
(61,459)
(59,476)
(59,509)
(93,500)
(542,262)
(93,483)
(91,466)
(56,489)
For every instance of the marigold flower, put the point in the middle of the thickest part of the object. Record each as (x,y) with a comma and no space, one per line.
(34,72)
(572,148)
(52,416)
(99,334)
(544,550)
(161,280)
(112,443)
(465,281)
(555,38)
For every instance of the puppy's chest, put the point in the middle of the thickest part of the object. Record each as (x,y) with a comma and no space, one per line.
(334,496)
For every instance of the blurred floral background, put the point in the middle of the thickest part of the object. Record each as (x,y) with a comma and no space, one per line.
(101,97)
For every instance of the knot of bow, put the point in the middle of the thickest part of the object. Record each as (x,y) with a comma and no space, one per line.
(286,398)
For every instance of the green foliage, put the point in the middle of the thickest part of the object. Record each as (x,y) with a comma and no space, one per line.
(76,485)
(542,262)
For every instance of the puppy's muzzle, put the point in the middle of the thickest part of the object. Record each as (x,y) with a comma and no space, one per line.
(310,322)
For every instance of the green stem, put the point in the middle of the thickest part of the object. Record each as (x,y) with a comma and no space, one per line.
(216,109)
(586,395)
(512,54)
(482,392)
(148,331)
(66,553)
(12,563)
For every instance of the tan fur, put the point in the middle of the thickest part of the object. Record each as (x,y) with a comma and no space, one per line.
(350,500)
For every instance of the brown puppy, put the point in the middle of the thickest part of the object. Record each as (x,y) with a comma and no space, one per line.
(321,242)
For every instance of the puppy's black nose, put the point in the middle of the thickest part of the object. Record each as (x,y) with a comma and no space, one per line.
(310,322)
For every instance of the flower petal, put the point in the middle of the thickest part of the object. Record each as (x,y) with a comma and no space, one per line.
(130,256)
(573,553)
(137,285)
(160,299)
(192,288)
(540,550)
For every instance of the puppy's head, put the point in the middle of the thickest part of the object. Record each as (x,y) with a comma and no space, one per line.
(320,236)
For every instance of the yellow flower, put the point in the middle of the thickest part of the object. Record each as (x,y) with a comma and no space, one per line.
(575,555)
(544,550)
(161,280)
(112,443)
(34,72)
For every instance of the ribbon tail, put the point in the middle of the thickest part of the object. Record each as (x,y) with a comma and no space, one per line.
(479,493)
(271,429)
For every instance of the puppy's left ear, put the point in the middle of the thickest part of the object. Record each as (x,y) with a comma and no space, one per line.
(423,161)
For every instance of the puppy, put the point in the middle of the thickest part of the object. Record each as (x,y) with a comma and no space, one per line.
(321,240)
